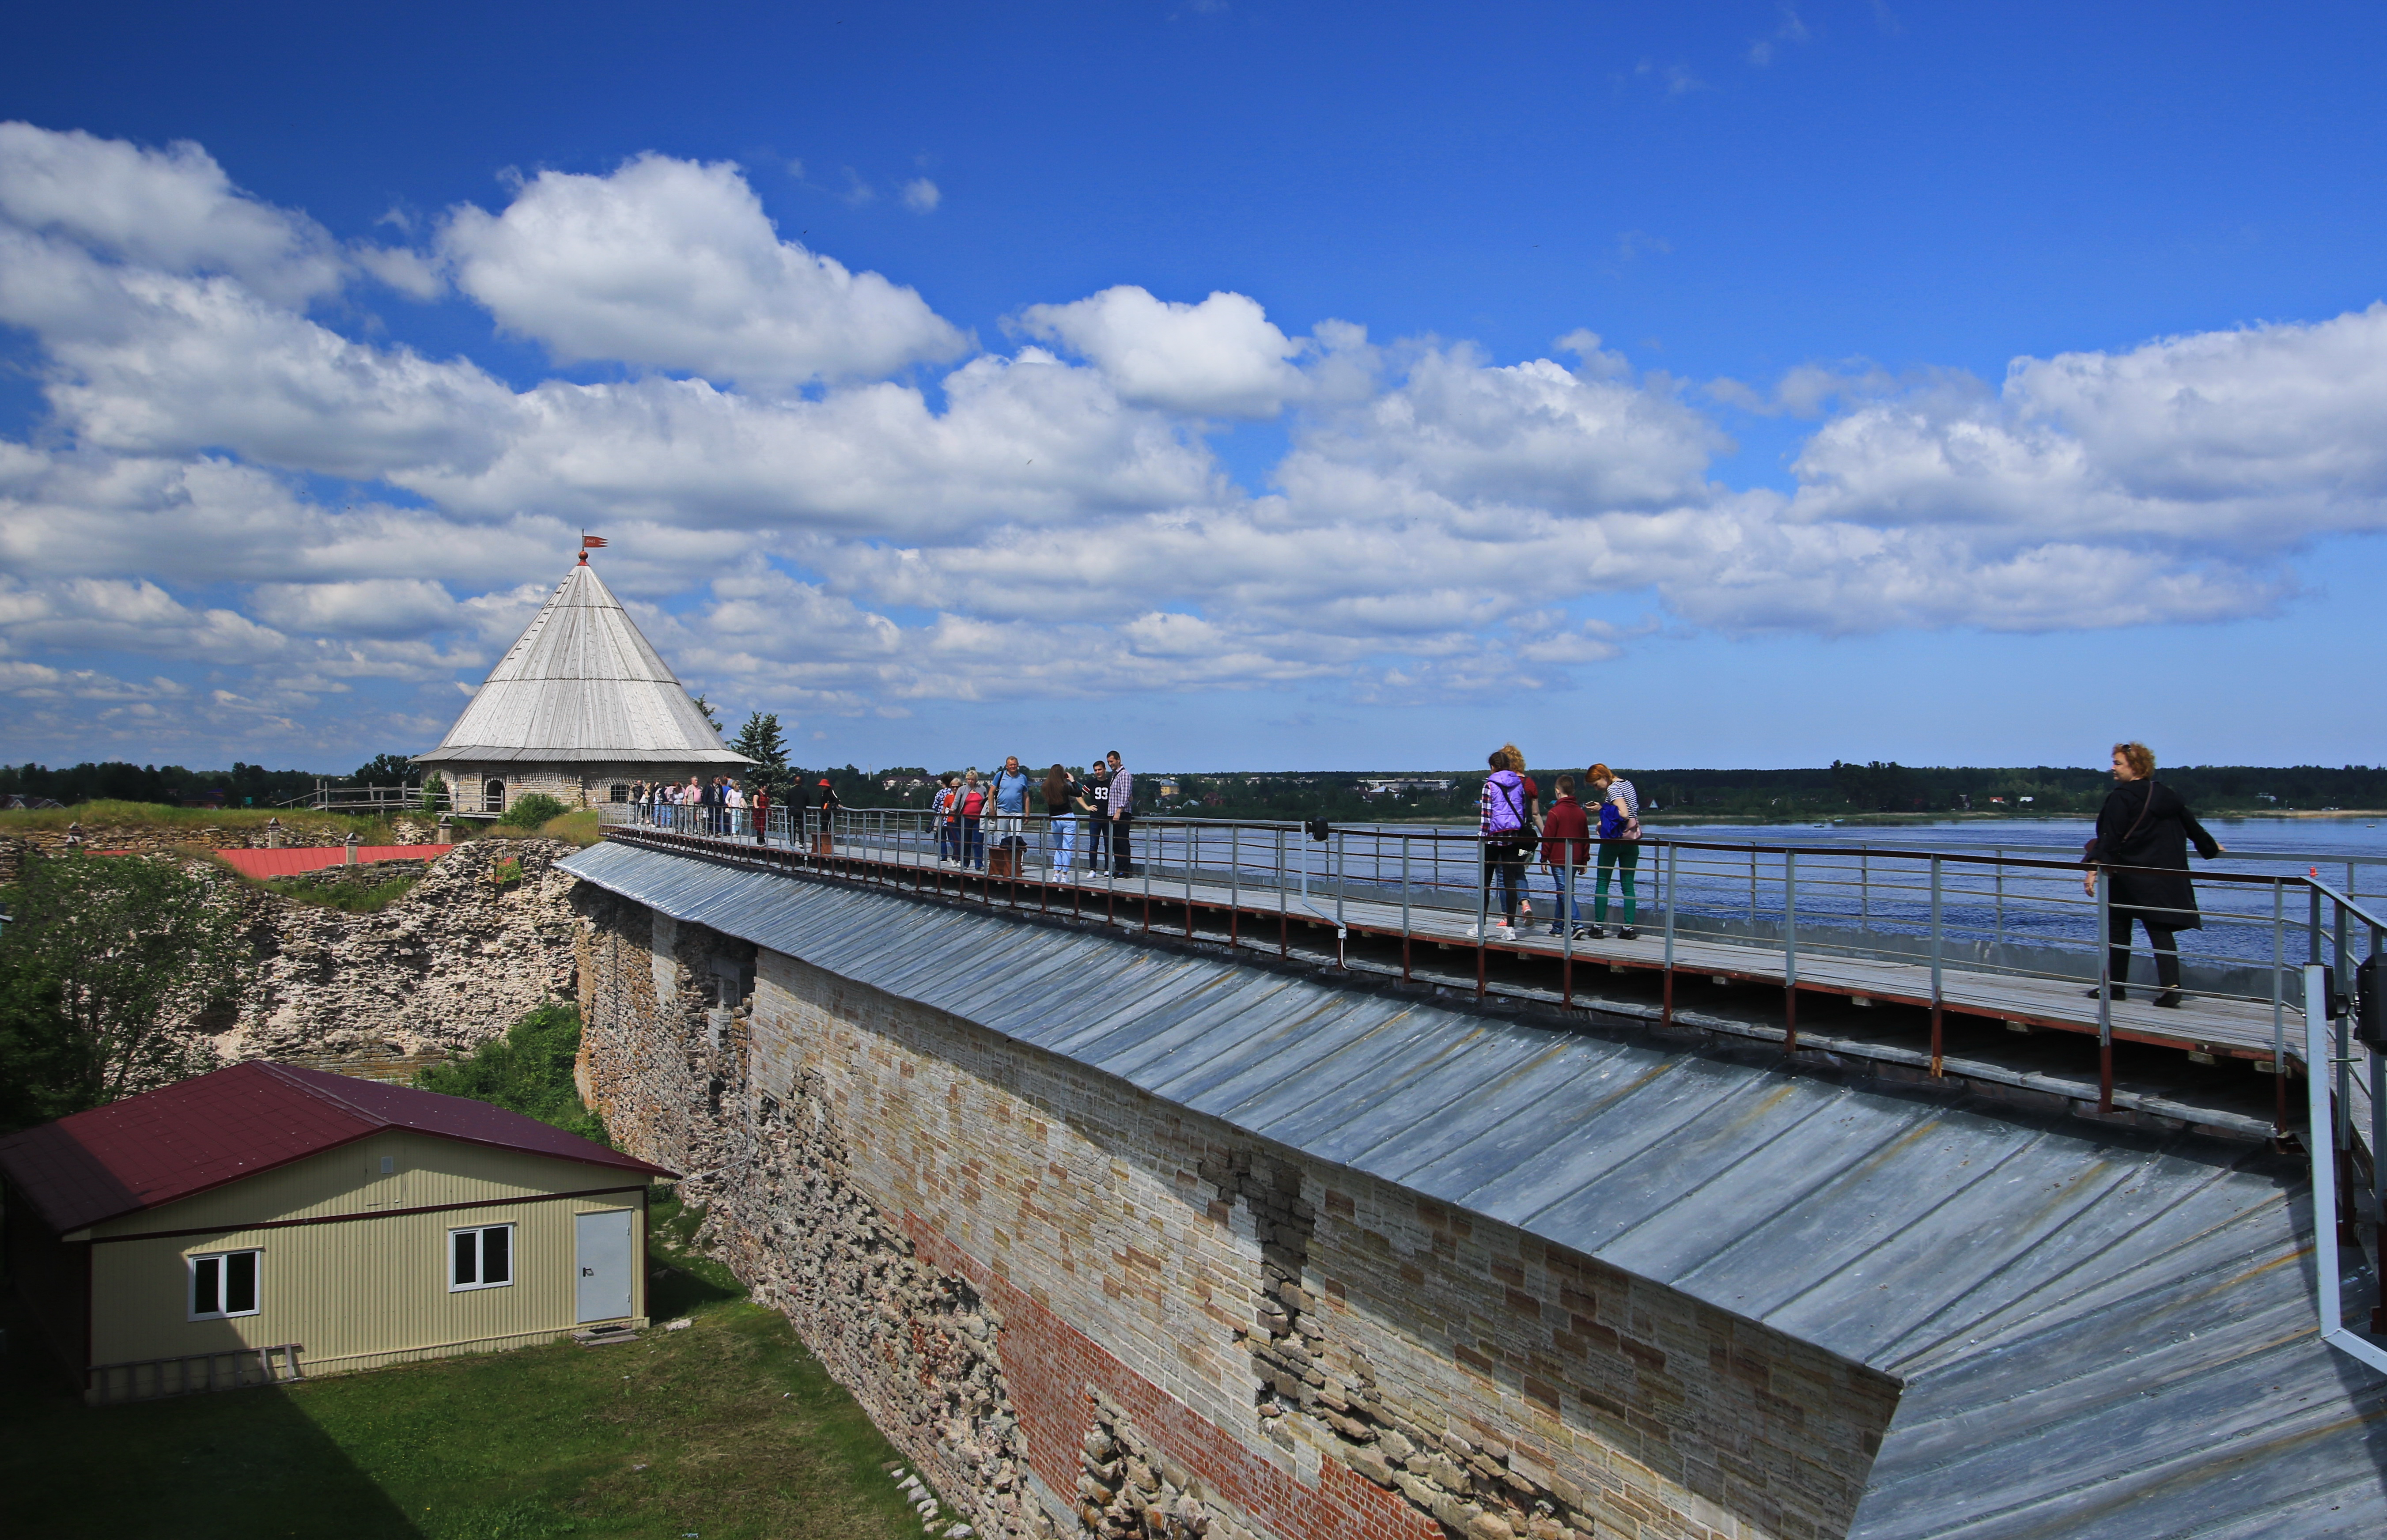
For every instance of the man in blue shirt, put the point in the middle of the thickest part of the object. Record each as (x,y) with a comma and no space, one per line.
(1010,804)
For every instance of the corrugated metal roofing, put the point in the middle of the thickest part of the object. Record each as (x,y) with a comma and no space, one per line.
(2100,1332)
(186,1139)
(583,684)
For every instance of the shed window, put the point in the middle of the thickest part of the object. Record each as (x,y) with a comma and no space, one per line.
(480,1257)
(223,1283)
(619,792)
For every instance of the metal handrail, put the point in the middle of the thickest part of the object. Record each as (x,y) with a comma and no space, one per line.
(1851,904)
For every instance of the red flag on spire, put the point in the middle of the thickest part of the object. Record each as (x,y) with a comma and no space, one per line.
(593,542)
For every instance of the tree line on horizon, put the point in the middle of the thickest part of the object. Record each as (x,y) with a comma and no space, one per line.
(1841,788)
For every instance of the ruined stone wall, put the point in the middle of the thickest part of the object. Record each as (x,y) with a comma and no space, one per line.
(1041,1278)
(450,965)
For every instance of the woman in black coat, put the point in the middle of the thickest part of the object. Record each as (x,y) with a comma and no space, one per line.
(2144,825)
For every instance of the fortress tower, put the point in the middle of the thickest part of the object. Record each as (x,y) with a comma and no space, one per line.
(578,708)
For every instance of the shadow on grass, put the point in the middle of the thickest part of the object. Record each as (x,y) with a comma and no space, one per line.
(728,1428)
(244,1465)
(680,1281)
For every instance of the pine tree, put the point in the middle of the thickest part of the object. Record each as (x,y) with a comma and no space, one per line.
(759,740)
(710,712)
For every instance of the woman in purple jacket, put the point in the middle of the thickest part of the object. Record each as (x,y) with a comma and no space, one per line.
(1507,829)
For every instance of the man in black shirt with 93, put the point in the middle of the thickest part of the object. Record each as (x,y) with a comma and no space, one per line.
(1098,816)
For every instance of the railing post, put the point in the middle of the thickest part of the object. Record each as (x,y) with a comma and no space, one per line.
(1192,854)
(2105,994)
(1341,881)
(1998,935)
(1938,1068)
(1667,1010)
(1563,876)
(2279,1008)
(1790,951)
(1234,884)
(1864,887)
(1283,928)
(1483,907)
(2324,1173)
(1405,908)
(2377,1138)
(2344,1055)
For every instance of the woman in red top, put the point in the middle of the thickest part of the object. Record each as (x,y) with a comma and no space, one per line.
(971,804)
(1566,848)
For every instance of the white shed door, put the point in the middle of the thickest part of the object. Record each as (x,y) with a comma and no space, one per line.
(601,1243)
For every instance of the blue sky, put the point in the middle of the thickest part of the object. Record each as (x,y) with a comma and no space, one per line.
(1246,386)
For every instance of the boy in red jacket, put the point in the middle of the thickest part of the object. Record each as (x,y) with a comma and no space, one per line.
(1566,847)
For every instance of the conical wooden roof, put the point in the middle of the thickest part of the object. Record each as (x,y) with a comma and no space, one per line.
(582,684)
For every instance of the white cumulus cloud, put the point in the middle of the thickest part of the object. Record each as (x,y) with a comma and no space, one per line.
(674,264)
(1220,357)
(172,209)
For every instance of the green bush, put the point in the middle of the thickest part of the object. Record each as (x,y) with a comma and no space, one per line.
(528,1070)
(531,809)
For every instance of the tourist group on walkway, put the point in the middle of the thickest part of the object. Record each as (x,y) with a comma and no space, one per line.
(985,823)
(1102,801)
(973,815)
(1516,829)
(723,807)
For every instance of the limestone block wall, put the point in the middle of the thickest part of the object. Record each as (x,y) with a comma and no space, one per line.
(1048,1285)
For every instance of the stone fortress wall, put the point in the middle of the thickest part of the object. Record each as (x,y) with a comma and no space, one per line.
(1081,1308)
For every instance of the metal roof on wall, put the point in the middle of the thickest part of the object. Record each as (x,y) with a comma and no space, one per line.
(582,684)
(2100,1332)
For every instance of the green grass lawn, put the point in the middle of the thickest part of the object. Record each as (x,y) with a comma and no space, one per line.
(725,1430)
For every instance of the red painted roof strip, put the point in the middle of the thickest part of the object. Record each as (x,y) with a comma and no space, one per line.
(181,1140)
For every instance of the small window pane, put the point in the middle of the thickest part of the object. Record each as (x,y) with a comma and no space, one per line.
(496,1263)
(207,1297)
(467,1246)
(240,1283)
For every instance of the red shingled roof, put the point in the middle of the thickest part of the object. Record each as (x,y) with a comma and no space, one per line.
(171,1142)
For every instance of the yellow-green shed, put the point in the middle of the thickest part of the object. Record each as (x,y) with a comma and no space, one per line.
(266,1221)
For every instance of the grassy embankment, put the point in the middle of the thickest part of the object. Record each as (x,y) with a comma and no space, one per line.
(727,1430)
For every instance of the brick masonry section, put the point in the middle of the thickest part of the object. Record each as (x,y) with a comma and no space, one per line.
(1080,1307)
